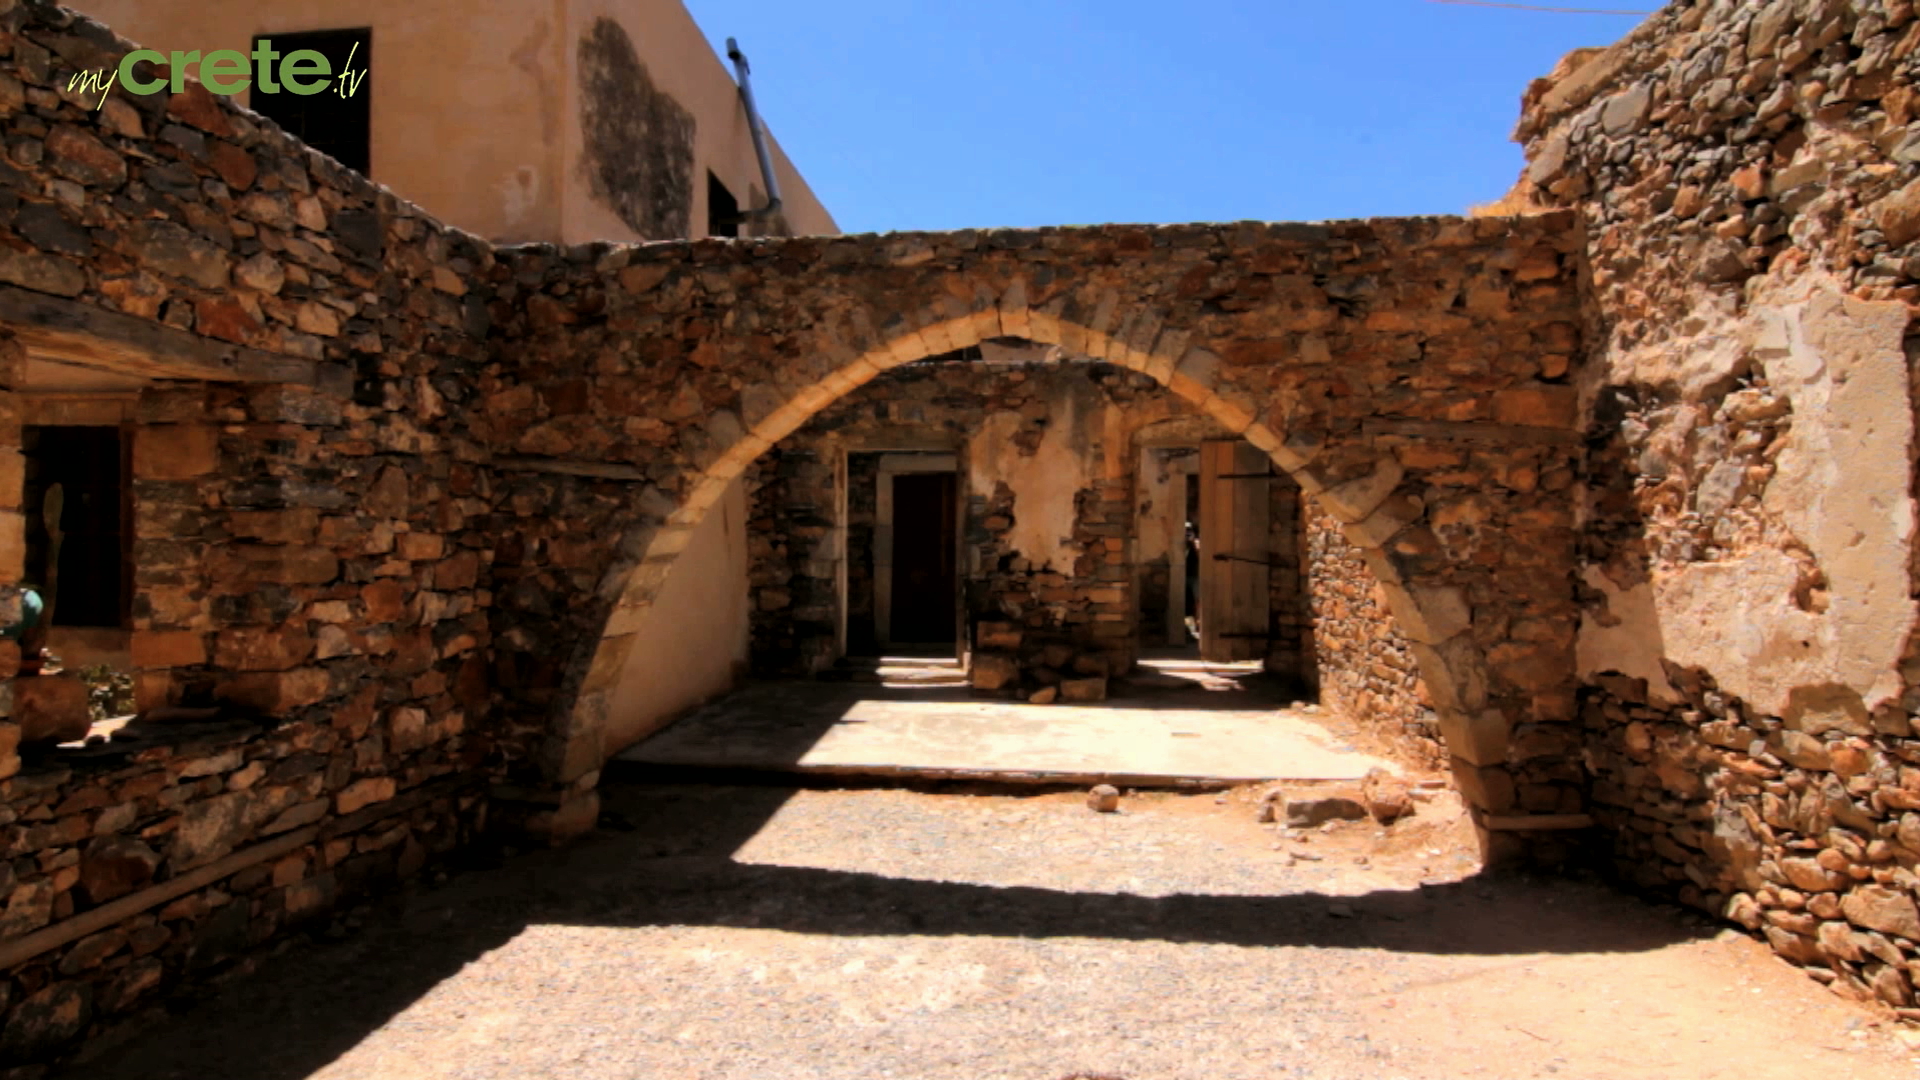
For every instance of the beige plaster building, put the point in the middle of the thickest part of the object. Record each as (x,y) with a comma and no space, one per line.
(522,122)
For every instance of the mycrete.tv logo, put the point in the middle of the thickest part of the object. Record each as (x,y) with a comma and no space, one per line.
(226,72)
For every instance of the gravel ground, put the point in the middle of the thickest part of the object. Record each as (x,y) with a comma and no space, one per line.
(758,932)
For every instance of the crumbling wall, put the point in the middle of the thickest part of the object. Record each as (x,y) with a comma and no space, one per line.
(1748,175)
(1291,636)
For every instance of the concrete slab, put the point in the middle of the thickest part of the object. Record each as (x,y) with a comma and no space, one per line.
(1176,724)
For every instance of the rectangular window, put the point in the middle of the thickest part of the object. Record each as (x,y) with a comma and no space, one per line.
(723,210)
(79,560)
(337,121)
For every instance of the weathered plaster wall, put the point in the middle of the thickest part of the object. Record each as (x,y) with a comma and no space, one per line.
(689,82)
(1747,173)
(1160,516)
(698,629)
(483,79)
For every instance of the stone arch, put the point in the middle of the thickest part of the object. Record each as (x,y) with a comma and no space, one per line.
(1435,616)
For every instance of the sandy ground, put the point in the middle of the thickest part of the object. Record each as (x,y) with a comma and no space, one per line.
(759,932)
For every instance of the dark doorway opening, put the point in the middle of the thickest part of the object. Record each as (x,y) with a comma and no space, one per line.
(723,210)
(925,538)
(79,560)
(337,121)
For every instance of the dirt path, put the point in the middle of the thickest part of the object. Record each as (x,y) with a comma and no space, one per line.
(878,933)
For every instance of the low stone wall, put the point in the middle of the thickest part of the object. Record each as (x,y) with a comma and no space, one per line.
(178,847)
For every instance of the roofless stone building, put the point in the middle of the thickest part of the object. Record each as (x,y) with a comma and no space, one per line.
(1630,472)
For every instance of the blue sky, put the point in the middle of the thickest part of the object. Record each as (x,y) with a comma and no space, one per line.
(913,114)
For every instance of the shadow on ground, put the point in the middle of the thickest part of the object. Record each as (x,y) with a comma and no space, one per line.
(667,861)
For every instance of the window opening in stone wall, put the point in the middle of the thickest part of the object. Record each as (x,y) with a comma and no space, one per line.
(77,510)
(340,126)
(723,210)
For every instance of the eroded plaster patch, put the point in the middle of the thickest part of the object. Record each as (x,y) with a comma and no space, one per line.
(1841,488)
(1044,483)
(1624,637)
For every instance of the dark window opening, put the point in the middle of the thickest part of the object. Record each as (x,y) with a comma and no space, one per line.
(80,560)
(723,210)
(337,121)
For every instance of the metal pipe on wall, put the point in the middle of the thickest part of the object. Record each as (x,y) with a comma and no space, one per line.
(757,130)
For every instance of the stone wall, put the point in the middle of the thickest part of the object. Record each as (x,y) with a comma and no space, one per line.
(311,534)
(1050,444)
(1419,370)
(1364,666)
(403,500)
(1749,177)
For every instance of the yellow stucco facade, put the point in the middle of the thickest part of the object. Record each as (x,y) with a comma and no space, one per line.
(479,113)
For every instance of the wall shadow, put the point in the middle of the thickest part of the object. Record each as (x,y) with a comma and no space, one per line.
(664,858)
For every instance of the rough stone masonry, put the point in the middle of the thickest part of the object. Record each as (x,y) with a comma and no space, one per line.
(1748,178)
(1633,471)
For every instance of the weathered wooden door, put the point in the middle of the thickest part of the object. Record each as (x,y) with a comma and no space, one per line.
(1235,537)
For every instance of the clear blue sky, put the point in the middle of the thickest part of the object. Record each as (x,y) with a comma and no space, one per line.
(938,114)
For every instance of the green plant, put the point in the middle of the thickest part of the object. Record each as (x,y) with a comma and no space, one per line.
(109,692)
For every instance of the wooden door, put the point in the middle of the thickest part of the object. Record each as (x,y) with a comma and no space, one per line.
(1235,529)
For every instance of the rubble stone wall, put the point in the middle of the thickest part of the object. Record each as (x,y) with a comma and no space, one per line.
(403,499)
(311,534)
(1411,376)
(1749,179)
(1048,617)
(1364,665)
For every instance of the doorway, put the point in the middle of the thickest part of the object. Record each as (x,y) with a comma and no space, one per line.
(1235,540)
(916,548)
(924,581)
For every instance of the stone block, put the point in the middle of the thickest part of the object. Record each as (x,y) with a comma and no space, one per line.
(253,648)
(572,819)
(1084,690)
(168,648)
(275,693)
(990,672)
(113,866)
(364,793)
(13,547)
(1308,810)
(50,708)
(175,451)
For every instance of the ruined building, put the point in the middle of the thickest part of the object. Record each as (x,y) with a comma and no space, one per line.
(1607,501)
